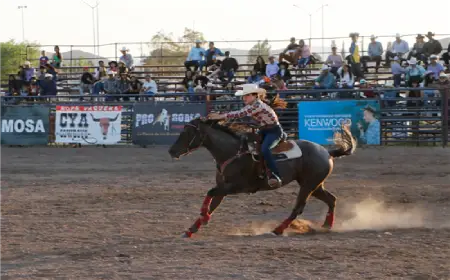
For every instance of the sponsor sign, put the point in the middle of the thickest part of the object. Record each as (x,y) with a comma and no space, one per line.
(158,123)
(319,120)
(88,124)
(24,125)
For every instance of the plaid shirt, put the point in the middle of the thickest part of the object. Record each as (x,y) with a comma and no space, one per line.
(259,111)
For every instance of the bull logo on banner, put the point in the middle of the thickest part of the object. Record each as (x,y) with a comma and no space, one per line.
(163,118)
(104,124)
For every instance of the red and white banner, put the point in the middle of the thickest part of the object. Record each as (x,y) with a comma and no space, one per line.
(88,124)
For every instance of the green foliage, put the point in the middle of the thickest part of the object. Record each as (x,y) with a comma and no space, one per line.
(13,55)
(260,48)
(82,62)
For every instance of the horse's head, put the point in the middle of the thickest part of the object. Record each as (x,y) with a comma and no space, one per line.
(190,139)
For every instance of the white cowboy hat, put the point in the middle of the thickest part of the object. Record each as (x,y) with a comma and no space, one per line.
(27,63)
(412,61)
(249,88)
(325,67)
(397,35)
(373,37)
(124,49)
(433,56)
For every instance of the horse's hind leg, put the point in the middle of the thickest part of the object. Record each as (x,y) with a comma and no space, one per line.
(322,194)
(210,203)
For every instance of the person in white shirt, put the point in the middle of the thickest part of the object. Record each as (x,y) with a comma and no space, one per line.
(399,48)
(346,77)
(149,87)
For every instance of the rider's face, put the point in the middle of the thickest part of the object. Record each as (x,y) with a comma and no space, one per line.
(248,99)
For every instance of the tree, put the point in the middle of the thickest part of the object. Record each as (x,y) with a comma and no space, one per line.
(260,48)
(81,61)
(14,54)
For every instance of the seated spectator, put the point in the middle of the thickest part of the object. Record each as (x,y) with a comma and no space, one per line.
(389,93)
(214,64)
(260,66)
(414,72)
(41,73)
(399,48)
(14,86)
(417,50)
(200,80)
(229,67)
(100,71)
(57,58)
(127,59)
(346,76)
(289,52)
(135,87)
(434,69)
(149,88)
(278,83)
(272,67)
(326,80)
(211,54)
(284,72)
(446,56)
(195,57)
(188,81)
(375,52)
(123,87)
(51,70)
(305,54)
(113,66)
(122,69)
(417,93)
(34,88)
(255,78)
(368,90)
(48,86)
(110,85)
(86,82)
(334,60)
(431,47)
(397,71)
(443,84)
(43,59)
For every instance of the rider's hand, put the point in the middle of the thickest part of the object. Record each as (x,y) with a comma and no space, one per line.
(214,116)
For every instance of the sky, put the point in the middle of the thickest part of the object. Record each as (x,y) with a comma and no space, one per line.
(69,22)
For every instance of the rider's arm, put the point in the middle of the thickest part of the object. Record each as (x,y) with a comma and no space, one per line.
(248,110)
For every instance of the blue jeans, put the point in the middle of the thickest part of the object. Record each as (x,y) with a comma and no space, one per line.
(269,136)
(397,80)
(302,62)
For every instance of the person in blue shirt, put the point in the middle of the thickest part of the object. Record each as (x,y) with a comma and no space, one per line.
(414,72)
(326,80)
(372,134)
(195,57)
(211,53)
(375,52)
(397,71)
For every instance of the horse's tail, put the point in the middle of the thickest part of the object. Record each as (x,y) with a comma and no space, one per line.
(345,143)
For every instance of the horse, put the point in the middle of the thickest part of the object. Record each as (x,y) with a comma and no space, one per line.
(238,171)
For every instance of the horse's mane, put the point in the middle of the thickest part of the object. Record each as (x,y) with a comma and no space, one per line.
(232,129)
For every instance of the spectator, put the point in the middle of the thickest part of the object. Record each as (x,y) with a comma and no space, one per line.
(41,73)
(43,59)
(211,53)
(326,80)
(284,72)
(417,50)
(188,81)
(432,46)
(149,88)
(334,60)
(414,72)
(446,56)
(123,87)
(135,87)
(27,73)
(397,71)
(305,54)
(272,67)
(14,86)
(289,52)
(200,80)
(415,93)
(113,66)
(86,82)
(48,86)
(260,66)
(434,69)
(346,77)
(442,85)
(122,69)
(375,52)
(51,70)
(398,48)
(110,85)
(354,57)
(278,83)
(57,58)
(255,78)
(127,59)
(100,71)
(195,57)
(229,67)
(372,134)
(368,90)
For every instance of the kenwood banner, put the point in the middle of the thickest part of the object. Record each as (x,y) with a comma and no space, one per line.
(24,125)
(158,123)
(318,120)
(88,124)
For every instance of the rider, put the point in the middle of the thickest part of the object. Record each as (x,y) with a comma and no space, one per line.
(261,110)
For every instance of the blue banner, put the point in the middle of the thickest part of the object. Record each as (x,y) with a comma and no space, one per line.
(319,120)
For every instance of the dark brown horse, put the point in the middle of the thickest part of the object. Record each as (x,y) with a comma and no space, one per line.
(238,173)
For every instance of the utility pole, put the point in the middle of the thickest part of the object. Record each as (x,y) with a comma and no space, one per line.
(310,23)
(93,20)
(23,22)
(98,32)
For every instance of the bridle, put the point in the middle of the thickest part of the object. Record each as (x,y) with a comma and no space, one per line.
(189,151)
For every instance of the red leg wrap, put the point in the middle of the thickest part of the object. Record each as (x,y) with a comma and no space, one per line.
(188,233)
(205,219)
(329,220)
(205,206)
(284,225)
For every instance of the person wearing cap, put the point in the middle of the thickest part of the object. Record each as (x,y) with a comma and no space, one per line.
(334,60)
(398,48)
(127,58)
(442,86)
(262,111)
(397,71)
(354,58)
(289,52)
(211,54)
(110,85)
(417,50)
(433,70)
(272,67)
(414,73)
(432,46)
(326,80)
(86,82)
(47,87)
(375,51)
(372,134)
(195,57)
(305,54)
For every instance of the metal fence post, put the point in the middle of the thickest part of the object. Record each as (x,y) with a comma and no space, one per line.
(444,114)
(71,69)
(115,44)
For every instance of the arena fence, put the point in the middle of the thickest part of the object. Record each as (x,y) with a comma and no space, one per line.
(140,120)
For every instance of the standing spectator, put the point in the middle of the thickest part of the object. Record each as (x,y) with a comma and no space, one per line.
(229,67)
(100,71)
(48,86)
(211,53)
(397,71)
(326,80)
(27,74)
(305,54)
(260,66)
(414,72)
(334,60)
(57,58)
(434,69)
(43,59)
(127,59)
(123,87)
(289,52)
(375,52)
(149,87)
(417,50)
(368,90)
(284,72)
(195,57)
(431,47)
(355,57)
(272,67)
(446,56)
(110,86)
(86,82)
(398,48)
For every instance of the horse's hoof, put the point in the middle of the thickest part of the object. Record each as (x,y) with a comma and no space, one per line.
(277,233)
(186,234)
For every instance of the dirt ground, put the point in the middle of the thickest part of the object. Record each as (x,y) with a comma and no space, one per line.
(118,213)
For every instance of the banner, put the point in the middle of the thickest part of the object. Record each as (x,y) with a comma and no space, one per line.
(159,123)
(318,120)
(24,125)
(88,124)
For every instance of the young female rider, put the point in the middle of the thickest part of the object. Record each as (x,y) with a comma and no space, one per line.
(262,111)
